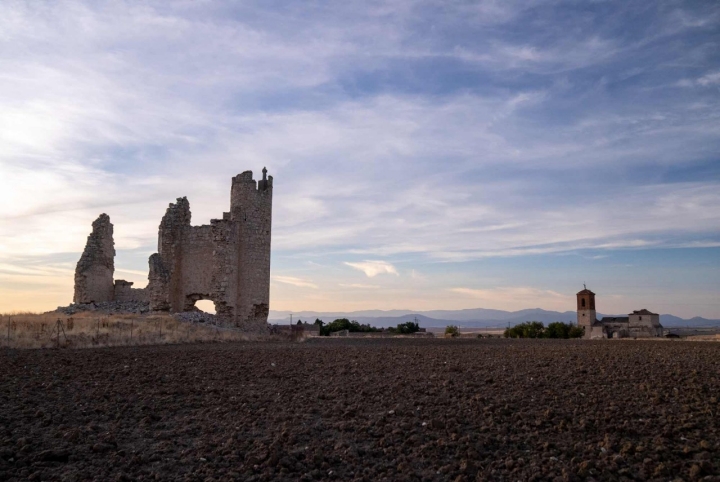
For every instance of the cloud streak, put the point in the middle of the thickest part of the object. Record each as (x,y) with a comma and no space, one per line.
(291,280)
(373,268)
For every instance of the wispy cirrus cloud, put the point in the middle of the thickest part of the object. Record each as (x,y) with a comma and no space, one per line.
(359,286)
(373,268)
(291,280)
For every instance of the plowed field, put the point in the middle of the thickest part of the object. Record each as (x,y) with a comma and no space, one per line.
(349,409)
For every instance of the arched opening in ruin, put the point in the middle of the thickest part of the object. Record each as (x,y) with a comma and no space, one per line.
(199,302)
(207,306)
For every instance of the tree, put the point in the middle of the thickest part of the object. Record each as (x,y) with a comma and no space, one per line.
(529,329)
(576,331)
(345,324)
(557,329)
(535,329)
(452,330)
(405,328)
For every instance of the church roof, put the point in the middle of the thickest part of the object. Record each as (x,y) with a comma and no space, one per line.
(643,312)
(614,319)
(585,292)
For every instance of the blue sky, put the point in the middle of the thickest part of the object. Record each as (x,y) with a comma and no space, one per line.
(426,155)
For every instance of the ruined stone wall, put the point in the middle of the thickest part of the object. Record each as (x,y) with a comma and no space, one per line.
(251,212)
(95,269)
(227,261)
(165,278)
(197,264)
(125,292)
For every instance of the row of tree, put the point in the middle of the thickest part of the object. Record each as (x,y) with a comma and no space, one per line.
(536,329)
(355,327)
(529,329)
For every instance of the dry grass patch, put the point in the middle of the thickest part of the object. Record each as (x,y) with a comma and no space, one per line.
(88,329)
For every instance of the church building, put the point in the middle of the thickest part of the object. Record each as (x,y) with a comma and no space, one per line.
(638,324)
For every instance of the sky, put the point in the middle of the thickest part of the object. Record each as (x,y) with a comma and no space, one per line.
(426,154)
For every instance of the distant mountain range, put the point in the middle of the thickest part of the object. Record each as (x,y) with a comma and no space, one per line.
(471,318)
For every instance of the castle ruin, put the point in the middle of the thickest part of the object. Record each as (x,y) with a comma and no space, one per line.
(227,262)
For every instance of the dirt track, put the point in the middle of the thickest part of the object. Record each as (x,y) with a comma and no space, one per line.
(363,409)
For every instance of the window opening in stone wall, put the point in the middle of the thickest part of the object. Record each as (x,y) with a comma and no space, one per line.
(208,306)
(583,303)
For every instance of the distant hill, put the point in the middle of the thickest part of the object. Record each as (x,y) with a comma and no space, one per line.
(471,318)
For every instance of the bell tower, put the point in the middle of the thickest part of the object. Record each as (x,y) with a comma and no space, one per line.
(586,314)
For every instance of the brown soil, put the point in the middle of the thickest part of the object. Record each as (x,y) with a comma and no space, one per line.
(363,409)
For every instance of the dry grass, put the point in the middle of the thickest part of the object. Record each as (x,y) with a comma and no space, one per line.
(715,337)
(89,329)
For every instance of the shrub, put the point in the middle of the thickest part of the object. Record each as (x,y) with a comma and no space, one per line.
(345,324)
(535,329)
(557,329)
(529,329)
(405,328)
(576,331)
(452,331)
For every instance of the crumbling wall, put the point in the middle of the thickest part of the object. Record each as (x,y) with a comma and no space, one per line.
(251,211)
(95,269)
(227,261)
(197,264)
(158,288)
(125,292)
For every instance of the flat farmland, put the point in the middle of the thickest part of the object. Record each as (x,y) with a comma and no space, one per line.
(354,409)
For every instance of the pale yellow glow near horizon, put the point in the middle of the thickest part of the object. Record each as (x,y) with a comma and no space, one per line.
(40,289)
(46,293)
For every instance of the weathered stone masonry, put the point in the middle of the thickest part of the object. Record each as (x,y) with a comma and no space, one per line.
(94,272)
(227,261)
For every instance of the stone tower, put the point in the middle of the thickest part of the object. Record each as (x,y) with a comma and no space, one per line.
(95,269)
(586,314)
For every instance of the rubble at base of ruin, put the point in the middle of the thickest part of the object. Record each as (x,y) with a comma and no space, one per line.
(227,261)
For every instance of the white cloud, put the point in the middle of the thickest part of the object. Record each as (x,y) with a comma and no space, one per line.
(374,268)
(709,79)
(299,282)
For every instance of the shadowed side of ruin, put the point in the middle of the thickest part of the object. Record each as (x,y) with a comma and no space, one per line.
(95,269)
(94,272)
(227,261)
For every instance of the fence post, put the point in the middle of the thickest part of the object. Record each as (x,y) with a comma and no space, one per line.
(132,321)
(59,327)
(8,337)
